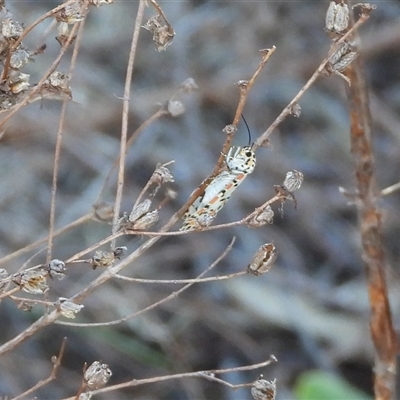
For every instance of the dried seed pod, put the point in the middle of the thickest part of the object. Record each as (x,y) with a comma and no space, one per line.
(11,29)
(266,216)
(97,375)
(161,175)
(263,260)
(33,281)
(162,30)
(263,389)
(139,210)
(19,82)
(146,221)
(340,60)
(67,308)
(99,3)
(19,58)
(56,268)
(59,80)
(71,14)
(293,180)
(344,61)
(337,17)
(102,259)
(175,108)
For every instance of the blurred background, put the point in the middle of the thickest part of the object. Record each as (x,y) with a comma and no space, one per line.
(311,310)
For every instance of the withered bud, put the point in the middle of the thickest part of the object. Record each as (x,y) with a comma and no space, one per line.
(140,210)
(189,85)
(163,33)
(295,110)
(11,29)
(67,308)
(102,259)
(56,268)
(266,216)
(175,108)
(263,260)
(293,180)
(263,389)
(99,3)
(33,281)
(229,129)
(97,375)
(337,17)
(161,175)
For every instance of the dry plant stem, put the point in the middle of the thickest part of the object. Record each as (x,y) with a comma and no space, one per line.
(53,374)
(58,145)
(25,101)
(181,281)
(198,374)
(31,246)
(162,301)
(286,111)
(390,189)
(125,116)
(370,224)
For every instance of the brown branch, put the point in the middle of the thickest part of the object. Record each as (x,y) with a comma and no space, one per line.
(370,225)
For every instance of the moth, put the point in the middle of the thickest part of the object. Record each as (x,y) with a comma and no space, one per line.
(239,162)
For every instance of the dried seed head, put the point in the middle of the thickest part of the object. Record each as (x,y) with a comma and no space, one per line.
(97,375)
(163,33)
(175,108)
(263,389)
(295,110)
(67,308)
(85,396)
(56,268)
(161,175)
(337,17)
(263,260)
(19,82)
(293,180)
(189,85)
(59,80)
(63,29)
(102,259)
(340,60)
(140,210)
(33,281)
(242,84)
(344,62)
(266,216)
(6,101)
(11,29)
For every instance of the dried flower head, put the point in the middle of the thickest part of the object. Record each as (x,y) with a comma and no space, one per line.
(19,58)
(32,281)
(337,17)
(293,180)
(67,308)
(263,260)
(265,216)
(56,269)
(71,14)
(146,221)
(140,210)
(161,175)
(18,82)
(263,389)
(102,259)
(175,108)
(97,375)
(340,60)
(120,252)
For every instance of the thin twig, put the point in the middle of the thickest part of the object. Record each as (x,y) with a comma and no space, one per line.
(125,115)
(56,364)
(198,374)
(157,303)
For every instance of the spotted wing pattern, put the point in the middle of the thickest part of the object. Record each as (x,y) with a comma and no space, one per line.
(239,162)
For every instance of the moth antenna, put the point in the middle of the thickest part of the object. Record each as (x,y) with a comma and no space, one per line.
(248,129)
